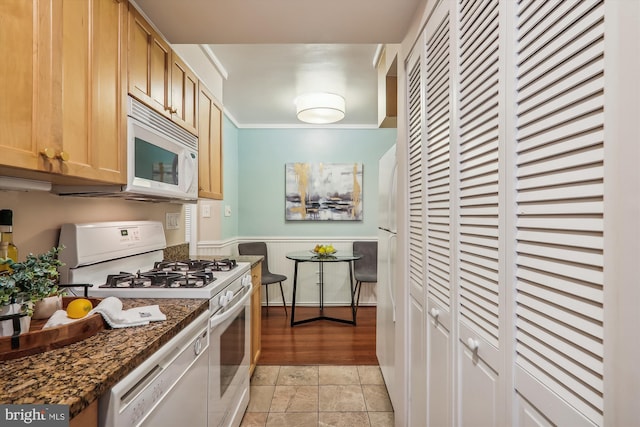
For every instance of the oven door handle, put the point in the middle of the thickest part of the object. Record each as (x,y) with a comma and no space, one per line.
(217,319)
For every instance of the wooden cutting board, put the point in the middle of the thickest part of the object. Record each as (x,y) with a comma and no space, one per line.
(38,340)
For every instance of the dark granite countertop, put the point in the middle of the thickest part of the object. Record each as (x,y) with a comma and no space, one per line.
(78,374)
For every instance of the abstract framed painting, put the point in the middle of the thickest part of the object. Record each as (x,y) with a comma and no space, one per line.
(323,191)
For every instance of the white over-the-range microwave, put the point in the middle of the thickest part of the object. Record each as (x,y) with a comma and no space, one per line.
(162,161)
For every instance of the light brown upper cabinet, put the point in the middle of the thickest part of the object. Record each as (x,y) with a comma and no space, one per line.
(26,83)
(93,90)
(184,95)
(209,146)
(149,65)
(387,69)
(158,77)
(61,111)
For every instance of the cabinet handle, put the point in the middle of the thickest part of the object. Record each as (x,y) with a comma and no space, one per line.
(435,312)
(473,344)
(49,153)
(173,110)
(64,156)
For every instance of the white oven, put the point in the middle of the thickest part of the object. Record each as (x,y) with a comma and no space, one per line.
(229,331)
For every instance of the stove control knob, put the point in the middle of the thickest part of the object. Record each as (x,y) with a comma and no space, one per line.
(229,295)
(223,300)
(246,281)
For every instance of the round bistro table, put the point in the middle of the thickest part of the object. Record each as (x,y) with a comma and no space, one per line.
(308,256)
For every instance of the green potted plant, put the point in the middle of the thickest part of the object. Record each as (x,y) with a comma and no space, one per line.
(36,280)
(11,306)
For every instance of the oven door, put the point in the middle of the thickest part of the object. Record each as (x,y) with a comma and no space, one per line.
(229,361)
(165,390)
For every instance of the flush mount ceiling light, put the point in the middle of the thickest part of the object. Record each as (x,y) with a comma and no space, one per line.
(320,108)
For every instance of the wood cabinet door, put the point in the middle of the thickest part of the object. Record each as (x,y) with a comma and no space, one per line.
(256,315)
(209,146)
(149,64)
(184,95)
(93,108)
(26,83)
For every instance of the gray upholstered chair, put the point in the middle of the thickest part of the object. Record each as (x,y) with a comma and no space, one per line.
(365,269)
(260,248)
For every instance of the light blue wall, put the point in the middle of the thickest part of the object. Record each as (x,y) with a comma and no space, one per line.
(231,190)
(262,154)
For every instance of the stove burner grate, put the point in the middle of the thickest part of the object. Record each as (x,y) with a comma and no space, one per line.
(192,265)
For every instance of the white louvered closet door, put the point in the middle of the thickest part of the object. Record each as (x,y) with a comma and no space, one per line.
(438,226)
(480,227)
(417,365)
(559,260)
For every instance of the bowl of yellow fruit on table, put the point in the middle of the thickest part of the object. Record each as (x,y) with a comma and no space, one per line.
(324,250)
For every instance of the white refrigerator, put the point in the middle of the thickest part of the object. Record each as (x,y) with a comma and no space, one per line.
(386,286)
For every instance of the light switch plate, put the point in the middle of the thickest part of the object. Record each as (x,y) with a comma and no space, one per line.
(172,219)
(227,210)
(206,211)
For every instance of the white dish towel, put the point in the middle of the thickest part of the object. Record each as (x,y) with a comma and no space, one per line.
(111,311)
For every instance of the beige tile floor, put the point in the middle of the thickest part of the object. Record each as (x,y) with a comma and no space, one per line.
(318,396)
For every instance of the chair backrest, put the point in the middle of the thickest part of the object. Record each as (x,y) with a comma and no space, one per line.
(368,264)
(255,248)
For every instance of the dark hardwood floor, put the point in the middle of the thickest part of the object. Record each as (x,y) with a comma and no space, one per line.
(321,342)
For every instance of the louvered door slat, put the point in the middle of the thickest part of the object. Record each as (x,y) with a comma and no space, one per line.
(560,192)
(477,315)
(565,207)
(561,268)
(564,327)
(437,164)
(544,92)
(486,236)
(564,285)
(581,175)
(478,178)
(478,34)
(572,130)
(536,368)
(587,257)
(416,198)
(582,157)
(540,147)
(533,125)
(472,179)
(480,121)
(569,370)
(480,166)
(559,170)
(566,22)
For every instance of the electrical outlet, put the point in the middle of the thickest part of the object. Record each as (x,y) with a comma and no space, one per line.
(172,219)
(227,210)
(206,211)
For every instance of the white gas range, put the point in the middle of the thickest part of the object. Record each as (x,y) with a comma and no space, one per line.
(125,260)
(95,253)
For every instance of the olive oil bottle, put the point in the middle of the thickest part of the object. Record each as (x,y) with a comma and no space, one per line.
(7,248)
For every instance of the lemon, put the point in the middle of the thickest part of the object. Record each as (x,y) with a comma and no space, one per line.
(78,308)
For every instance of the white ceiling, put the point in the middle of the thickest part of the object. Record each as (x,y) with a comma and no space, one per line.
(273,50)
